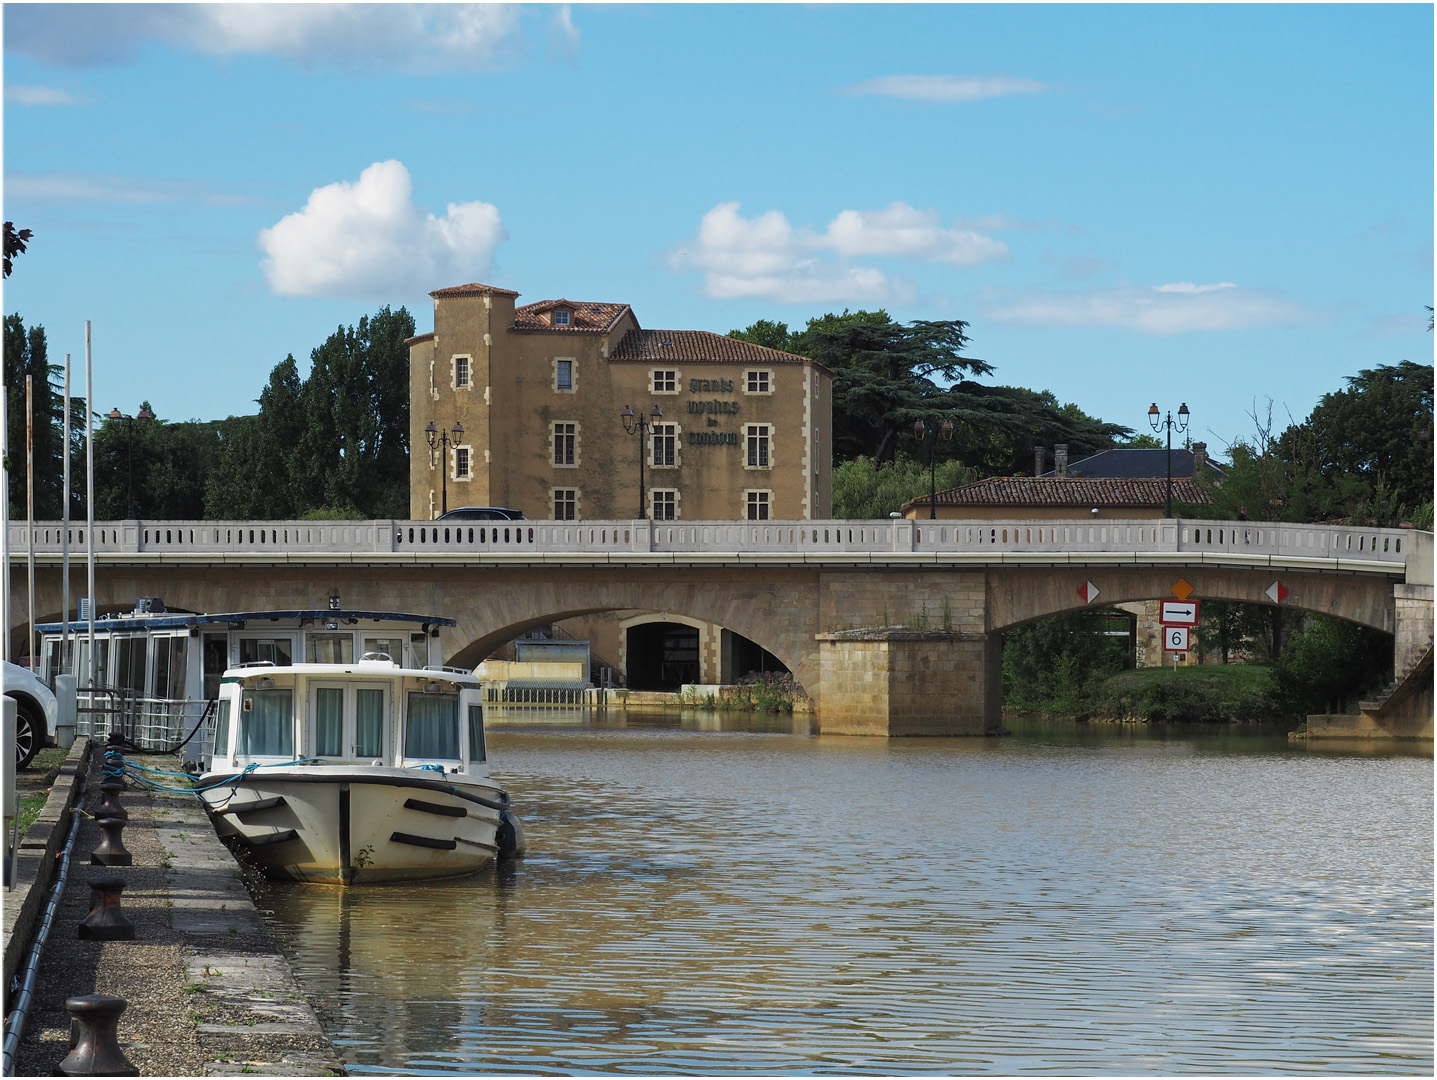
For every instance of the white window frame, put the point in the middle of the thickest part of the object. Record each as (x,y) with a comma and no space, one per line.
(454,473)
(673,501)
(763,433)
(562,317)
(755,497)
(658,431)
(555,435)
(454,365)
(753,374)
(554,501)
(670,385)
(573,374)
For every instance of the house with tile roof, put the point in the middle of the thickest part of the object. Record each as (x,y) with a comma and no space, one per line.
(730,430)
(1124,483)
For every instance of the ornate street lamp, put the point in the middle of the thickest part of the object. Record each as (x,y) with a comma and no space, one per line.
(1158,422)
(440,440)
(144,414)
(920,432)
(634,424)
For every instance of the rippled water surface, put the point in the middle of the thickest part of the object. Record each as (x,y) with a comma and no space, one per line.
(1058,901)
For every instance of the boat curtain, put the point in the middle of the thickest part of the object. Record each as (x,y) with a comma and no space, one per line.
(369,723)
(432,729)
(329,721)
(476,733)
(267,724)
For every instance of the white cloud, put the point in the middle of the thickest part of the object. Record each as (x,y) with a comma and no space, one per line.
(40,95)
(1160,309)
(766,256)
(945,87)
(401,36)
(368,240)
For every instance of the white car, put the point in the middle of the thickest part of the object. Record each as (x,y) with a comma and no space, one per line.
(36,712)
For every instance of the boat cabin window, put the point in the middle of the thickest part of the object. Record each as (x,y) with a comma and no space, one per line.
(476,732)
(277,650)
(432,727)
(369,723)
(266,727)
(82,661)
(222,728)
(392,647)
(418,651)
(329,648)
(329,721)
(169,652)
(130,663)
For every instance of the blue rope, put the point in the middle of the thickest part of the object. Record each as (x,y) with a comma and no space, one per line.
(429,768)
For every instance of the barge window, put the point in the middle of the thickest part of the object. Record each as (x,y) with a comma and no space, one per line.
(278,651)
(392,647)
(328,721)
(170,653)
(330,648)
(267,724)
(432,727)
(476,732)
(369,723)
(222,729)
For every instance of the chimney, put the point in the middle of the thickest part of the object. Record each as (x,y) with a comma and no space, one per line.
(1040,460)
(1199,456)
(1060,459)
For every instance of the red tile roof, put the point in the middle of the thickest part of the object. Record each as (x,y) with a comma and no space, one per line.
(641,346)
(1080,493)
(418,338)
(586,317)
(473,289)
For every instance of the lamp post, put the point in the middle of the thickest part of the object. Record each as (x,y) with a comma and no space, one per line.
(920,432)
(440,440)
(634,424)
(1158,422)
(143,414)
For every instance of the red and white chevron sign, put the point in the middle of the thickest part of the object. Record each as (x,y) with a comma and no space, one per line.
(1277,592)
(1087,592)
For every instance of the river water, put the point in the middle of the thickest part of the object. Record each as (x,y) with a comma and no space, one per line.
(1064,900)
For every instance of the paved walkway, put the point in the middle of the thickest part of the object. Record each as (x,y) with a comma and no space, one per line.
(208,991)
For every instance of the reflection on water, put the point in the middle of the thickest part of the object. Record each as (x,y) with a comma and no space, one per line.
(1063,900)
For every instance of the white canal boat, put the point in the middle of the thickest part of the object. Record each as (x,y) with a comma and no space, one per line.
(356,773)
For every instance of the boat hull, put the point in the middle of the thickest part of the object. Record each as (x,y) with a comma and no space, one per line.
(343,826)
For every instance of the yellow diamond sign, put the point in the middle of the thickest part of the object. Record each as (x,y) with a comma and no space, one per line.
(1182,590)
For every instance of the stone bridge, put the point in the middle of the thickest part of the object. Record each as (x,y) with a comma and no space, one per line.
(893,627)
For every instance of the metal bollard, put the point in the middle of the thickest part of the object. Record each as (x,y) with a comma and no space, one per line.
(111,851)
(110,801)
(97,1049)
(106,922)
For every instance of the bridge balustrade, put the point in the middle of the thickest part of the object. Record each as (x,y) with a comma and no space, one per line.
(804,539)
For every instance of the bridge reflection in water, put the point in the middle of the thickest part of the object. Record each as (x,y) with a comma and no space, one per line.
(1065,901)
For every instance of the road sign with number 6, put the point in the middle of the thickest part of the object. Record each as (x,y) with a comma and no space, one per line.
(1175,638)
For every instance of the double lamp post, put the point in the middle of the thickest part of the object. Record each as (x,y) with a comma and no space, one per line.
(1158,422)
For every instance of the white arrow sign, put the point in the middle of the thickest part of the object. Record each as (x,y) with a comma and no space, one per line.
(1179,613)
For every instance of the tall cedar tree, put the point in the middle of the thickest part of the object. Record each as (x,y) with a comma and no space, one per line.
(27,353)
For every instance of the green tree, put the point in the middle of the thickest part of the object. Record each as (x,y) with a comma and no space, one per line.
(1229,626)
(1329,665)
(16,240)
(169,462)
(27,354)
(1057,664)
(864,489)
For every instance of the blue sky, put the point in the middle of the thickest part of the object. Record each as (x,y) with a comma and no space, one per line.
(1217,205)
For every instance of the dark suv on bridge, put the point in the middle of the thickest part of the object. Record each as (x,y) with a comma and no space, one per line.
(483,513)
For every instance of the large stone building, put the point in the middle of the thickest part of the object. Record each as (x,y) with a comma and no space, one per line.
(530,399)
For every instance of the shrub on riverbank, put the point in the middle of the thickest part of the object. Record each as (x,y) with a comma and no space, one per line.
(1200,694)
(768,693)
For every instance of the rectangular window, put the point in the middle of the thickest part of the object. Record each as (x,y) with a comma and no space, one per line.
(663,440)
(563,375)
(329,721)
(461,373)
(757,505)
(665,504)
(756,436)
(329,648)
(664,382)
(267,724)
(758,382)
(369,723)
(432,728)
(461,463)
(566,504)
(391,647)
(476,733)
(222,729)
(277,651)
(561,318)
(566,436)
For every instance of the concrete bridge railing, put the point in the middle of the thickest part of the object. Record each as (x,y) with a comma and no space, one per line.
(1359,550)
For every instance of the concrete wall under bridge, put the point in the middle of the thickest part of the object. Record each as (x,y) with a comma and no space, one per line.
(893,628)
